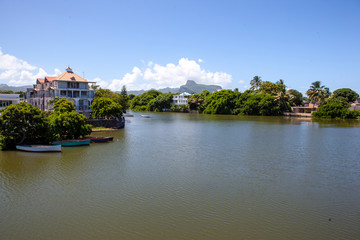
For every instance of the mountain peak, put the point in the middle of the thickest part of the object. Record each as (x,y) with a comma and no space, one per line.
(190,83)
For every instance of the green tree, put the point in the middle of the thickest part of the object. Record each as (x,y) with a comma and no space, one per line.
(196,102)
(278,91)
(103,107)
(63,105)
(318,93)
(23,123)
(255,83)
(65,123)
(346,93)
(163,101)
(295,97)
(140,102)
(257,104)
(335,108)
(6,91)
(124,99)
(68,125)
(221,102)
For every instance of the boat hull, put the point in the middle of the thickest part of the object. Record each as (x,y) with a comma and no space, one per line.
(73,143)
(39,148)
(100,139)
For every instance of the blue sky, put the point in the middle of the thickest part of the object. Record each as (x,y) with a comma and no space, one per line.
(144,44)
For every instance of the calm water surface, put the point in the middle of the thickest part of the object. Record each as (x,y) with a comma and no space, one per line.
(184,176)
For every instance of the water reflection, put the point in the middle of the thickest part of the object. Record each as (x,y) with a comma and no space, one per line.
(190,176)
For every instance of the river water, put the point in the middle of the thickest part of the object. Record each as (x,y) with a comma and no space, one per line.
(189,176)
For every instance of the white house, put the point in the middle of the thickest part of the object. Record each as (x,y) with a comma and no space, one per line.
(69,85)
(181,99)
(7,99)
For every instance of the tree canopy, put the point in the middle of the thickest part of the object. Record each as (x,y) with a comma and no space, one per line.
(62,105)
(318,93)
(255,83)
(346,93)
(335,108)
(23,123)
(103,107)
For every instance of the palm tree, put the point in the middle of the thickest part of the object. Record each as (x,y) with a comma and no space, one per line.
(255,83)
(317,93)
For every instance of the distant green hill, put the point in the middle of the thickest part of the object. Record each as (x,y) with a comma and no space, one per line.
(192,87)
(14,89)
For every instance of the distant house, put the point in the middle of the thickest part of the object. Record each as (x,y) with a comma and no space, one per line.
(303,111)
(69,85)
(8,99)
(181,99)
(355,105)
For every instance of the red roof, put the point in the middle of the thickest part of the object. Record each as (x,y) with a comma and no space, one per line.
(50,78)
(40,80)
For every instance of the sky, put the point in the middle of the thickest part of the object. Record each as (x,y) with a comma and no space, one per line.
(162,43)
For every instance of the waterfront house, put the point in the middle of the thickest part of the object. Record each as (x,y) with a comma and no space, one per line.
(303,111)
(8,99)
(355,105)
(181,99)
(68,84)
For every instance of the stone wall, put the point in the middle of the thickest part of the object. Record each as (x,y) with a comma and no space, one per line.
(107,123)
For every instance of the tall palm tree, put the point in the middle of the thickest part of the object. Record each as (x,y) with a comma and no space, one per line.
(255,83)
(317,93)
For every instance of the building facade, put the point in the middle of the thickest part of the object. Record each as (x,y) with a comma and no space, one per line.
(181,99)
(8,99)
(69,85)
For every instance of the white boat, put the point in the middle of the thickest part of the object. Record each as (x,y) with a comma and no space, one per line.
(39,148)
(145,116)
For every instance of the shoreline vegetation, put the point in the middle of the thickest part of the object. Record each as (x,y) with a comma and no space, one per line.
(23,123)
(264,98)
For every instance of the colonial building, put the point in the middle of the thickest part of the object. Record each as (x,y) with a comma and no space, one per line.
(8,99)
(181,99)
(69,85)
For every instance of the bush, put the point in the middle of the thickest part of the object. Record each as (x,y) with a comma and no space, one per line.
(335,108)
(23,123)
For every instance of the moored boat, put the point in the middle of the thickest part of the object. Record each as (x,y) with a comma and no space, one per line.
(100,139)
(145,116)
(39,148)
(72,143)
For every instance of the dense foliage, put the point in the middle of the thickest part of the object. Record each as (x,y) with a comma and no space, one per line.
(23,123)
(336,108)
(346,93)
(295,97)
(103,107)
(161,102)
(119,98)
(141,102)
(68,125)
(65,123)
(317,93)
(62,105)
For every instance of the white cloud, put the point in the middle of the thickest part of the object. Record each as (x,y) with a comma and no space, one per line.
(15,71)
(200,60)
(170,75)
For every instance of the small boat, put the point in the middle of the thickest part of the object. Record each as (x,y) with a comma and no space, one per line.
(145,116)
(39,148)
(72,143)
(128,115)
(100,139)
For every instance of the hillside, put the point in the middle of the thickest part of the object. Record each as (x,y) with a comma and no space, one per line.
(14,89)
(190,87)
